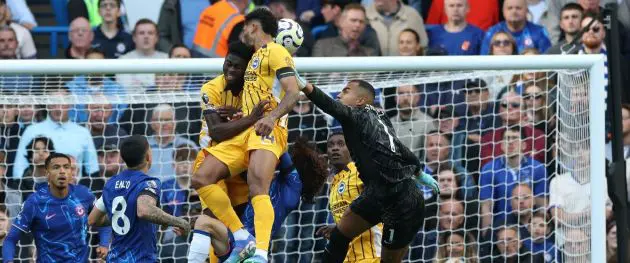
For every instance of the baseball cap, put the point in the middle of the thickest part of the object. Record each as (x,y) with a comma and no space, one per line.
(475,84)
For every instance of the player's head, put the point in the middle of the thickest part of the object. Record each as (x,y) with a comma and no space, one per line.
(136,153)
(235,63)
(312,168)
(58,170)
(357,93)
(337,151)
(258,23)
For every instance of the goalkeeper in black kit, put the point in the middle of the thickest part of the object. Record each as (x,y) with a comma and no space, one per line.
(389,170)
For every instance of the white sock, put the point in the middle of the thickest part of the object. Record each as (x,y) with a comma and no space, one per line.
(262,253)
(241,234)
(199,247)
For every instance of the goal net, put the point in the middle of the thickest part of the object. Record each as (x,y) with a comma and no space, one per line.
(512,142)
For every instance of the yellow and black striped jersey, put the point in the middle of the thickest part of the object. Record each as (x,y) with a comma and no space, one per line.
(217,95)
(268,64)
(346,187)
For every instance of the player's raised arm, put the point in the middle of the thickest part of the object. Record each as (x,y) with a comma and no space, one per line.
(337,109)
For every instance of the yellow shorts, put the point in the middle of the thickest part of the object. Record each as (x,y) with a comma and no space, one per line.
(234,153)
(235,186)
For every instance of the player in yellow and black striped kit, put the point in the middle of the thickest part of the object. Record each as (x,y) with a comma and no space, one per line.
(347,186)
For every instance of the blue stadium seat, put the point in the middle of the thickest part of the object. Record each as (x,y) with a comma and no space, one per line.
(60,7)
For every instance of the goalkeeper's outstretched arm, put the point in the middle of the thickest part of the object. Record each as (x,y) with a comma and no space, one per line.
(339,111)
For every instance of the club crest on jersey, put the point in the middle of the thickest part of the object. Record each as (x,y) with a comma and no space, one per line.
(341,188)
(151,184)
(79,210)
(255,62)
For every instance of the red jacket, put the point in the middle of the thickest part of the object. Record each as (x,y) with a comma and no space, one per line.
(483,13)
(491,144)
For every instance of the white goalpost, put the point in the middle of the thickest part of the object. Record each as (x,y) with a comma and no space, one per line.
(575,100)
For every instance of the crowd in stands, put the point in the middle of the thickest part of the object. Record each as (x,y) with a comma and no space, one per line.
(490,142)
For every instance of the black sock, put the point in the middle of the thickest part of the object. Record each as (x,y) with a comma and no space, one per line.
(337,247)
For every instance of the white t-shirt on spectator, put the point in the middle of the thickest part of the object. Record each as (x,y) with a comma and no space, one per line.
(536,11)
(135,83)
(26,46)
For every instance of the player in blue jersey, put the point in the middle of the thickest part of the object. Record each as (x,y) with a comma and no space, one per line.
(300,176)
(130,203)
(58,216)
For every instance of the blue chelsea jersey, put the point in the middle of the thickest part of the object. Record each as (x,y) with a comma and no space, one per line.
(134,240)
(59,226)
(285,193)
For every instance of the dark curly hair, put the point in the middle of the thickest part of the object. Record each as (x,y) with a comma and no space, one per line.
(268,22)
(312,168)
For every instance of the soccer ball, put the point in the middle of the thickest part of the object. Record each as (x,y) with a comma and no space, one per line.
(290,35)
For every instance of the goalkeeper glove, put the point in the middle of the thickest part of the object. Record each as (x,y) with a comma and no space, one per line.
(300,80)
(427,180)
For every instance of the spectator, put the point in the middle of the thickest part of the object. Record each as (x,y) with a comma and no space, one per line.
(481,111)
(110,36)
(27,115)
(8,43)
(509,248)
(389,18)
(9,196)
(526,34)
(625,130)
(499,177)
(450,216)
(306,120)
(110,161)
(539,111)
(103,132)
(145,37)
(164,141)
(331,12)
(286,9)
(576,249)
(25,47)
(178,22)
(81,37)
(482,14)
(570,24)
(611,242)
(175,199)
(10,132)
(69,138)
(219,24)
(522,201)
(37,151)
(457,247)
(503,43)
(512,113)
(409,43)
(593,38)
(411,124)
(464,152)
(93,85)
(457,37)
(351,26)
(21,14)
(437,157)
(541,239)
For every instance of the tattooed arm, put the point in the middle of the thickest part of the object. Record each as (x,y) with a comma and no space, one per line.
(147,210)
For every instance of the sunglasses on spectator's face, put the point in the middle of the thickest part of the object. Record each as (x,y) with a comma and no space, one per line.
(501,43)
(594,29)
(514,105)
(533,96)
